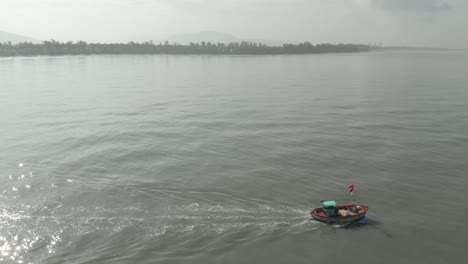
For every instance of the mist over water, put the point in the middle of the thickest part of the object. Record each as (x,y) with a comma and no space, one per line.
(218,159)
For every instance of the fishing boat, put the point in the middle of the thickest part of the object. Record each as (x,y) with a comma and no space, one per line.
(339,214)
(332,213)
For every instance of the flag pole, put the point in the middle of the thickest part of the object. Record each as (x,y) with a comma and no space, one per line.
(351,190)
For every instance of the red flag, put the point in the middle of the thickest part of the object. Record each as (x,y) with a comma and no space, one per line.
(351,188)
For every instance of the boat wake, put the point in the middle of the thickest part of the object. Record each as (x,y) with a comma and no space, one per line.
(61,220)
(47,229)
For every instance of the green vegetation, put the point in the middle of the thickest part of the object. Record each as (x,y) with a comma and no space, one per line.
(53,47)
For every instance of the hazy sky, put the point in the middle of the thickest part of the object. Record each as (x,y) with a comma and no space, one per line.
(437,23)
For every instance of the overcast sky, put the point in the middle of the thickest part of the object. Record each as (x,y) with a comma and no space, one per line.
(436,23)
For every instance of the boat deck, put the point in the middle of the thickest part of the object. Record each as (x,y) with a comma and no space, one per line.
(342,211)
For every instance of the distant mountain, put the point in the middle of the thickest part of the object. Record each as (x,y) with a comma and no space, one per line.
(5,37)
(214,37)
(211,36)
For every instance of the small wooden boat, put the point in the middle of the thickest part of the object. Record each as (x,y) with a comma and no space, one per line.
(339,214)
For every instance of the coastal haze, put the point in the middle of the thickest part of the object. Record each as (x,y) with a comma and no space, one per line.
(421,23)
(178,138)
(218,159)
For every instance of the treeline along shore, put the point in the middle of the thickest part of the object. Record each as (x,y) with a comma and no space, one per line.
(53,47)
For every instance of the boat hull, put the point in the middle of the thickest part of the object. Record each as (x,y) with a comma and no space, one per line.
(319,215)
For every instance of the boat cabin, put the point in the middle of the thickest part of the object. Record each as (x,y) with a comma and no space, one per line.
(329,207)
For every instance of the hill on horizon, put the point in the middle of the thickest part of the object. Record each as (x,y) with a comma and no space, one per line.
(14,38)
(215,37)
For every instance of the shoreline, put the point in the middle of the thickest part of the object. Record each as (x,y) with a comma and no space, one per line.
(55,48)
(178,54)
